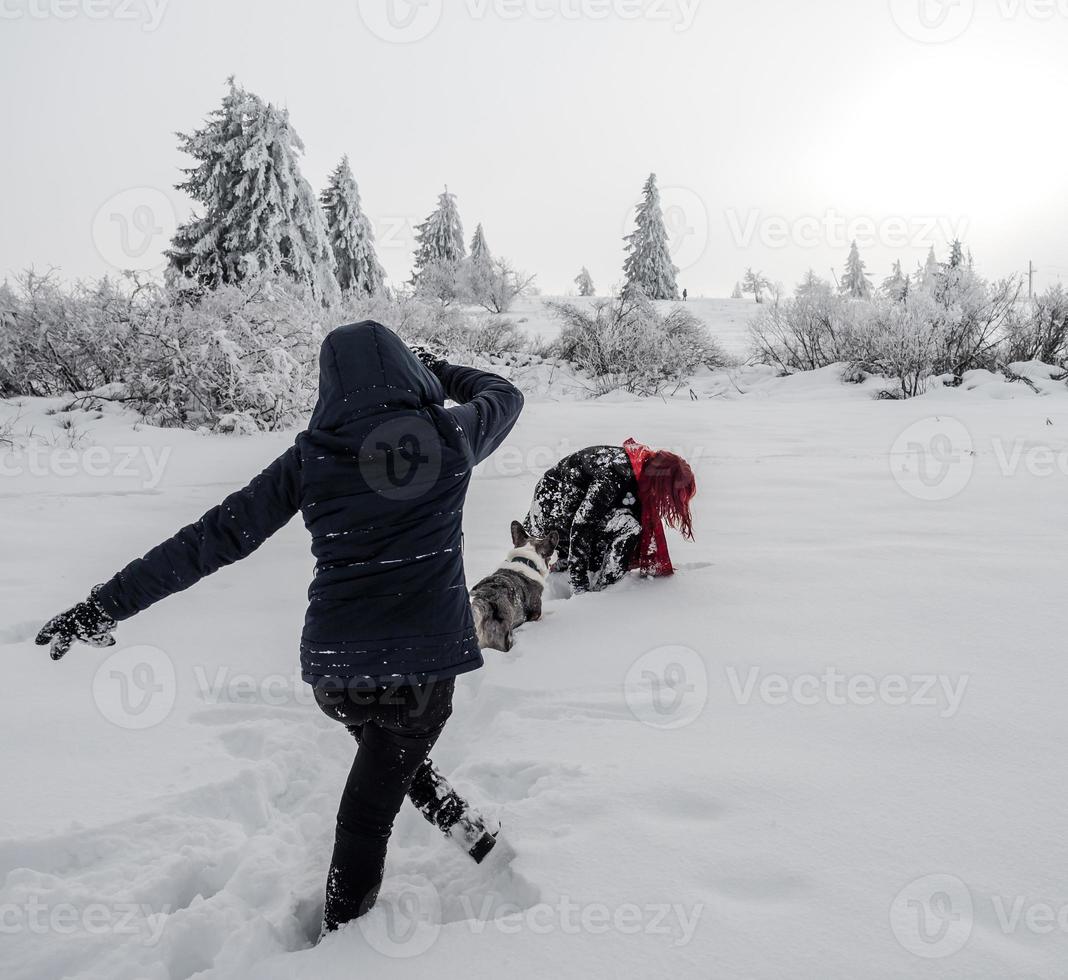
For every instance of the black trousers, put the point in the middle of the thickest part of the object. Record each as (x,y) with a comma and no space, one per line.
(396,727)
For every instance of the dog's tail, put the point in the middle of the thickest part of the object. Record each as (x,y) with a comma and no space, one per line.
(492,633)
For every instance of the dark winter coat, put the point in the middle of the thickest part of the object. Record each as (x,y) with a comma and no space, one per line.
(380,476)
(577,498)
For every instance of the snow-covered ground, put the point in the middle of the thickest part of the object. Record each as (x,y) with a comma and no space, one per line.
(830,747)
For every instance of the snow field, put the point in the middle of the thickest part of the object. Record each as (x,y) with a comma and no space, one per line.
(739,772)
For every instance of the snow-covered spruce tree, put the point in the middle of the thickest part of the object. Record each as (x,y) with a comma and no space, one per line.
(479,272)
(896,285)
(736,293)
(584,282)
(480,253)
(755,283)
(649,266)
(260,214)
(930,270)
(350,234)
(855,281)
(440,251)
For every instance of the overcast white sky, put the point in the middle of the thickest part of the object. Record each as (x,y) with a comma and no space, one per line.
(771,124)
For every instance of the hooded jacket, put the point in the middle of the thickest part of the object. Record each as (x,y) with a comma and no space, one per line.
(380,476)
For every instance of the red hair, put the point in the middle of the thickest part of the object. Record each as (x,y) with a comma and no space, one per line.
(667,486)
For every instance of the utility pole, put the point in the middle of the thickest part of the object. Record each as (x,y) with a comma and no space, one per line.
(1030,279)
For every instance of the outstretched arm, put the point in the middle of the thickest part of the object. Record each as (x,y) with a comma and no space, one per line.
(590,519)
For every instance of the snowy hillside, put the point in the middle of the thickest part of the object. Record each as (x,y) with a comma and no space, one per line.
(827,748)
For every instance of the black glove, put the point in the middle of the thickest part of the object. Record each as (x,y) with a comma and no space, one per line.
(432,360)
(86,622)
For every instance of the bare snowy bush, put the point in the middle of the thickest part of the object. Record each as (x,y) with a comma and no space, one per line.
(1040,333)
(895,340)
(971,319)
(624,343)
(57,339)
(951,322)
(805,333)
(243,358)
(495,286)
(239,358)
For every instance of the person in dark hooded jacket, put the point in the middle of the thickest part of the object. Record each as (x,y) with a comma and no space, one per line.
(380,476)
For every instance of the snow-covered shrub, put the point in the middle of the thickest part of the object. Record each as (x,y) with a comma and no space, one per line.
(248,351)
(971,318)
(493,285)
(947,322)
(807,332)
(625,343)
(57,339)
(900,341)
(1040,332)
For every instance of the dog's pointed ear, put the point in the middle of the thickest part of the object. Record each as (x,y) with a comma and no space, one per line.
(554,541)
(519,534)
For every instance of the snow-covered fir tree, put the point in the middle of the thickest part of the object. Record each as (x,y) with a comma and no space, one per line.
(755,283)
(931,268)
(896,285)
(259,213)
(649,266)
(584,282)
(439,239)
(855,282)
(956,254)
(480,275)
(480,253)
(736,293)
(350,234)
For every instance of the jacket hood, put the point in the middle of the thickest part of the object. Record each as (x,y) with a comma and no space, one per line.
(365,367)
